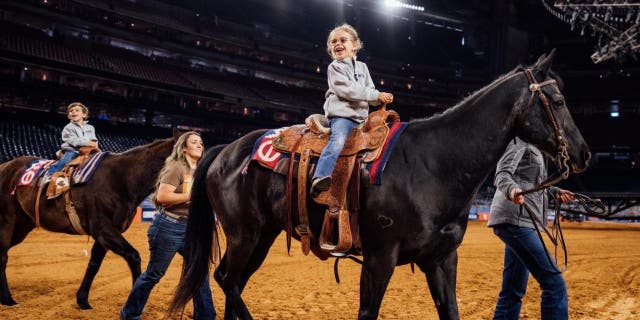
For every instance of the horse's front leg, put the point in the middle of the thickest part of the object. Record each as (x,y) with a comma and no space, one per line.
(377,270)
(441,278)
(112,239)
(97,255)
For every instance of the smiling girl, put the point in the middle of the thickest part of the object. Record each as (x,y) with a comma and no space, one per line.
(351,90)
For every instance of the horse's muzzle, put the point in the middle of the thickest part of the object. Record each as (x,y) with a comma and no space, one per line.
(586,157)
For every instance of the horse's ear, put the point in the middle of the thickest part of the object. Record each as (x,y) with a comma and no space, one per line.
(542,56)
(543,64)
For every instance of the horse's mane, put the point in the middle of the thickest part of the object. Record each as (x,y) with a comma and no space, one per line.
(139,148)
(470,99)
(452,112)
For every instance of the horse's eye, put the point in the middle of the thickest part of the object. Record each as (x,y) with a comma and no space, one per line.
(558,100)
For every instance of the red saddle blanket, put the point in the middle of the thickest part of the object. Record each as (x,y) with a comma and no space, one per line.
(268,157)
(36,168)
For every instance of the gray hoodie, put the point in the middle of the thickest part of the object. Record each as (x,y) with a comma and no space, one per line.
(351,90)
(75,136)
(522,166)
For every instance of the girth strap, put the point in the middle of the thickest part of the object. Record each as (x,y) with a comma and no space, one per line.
(37,208)
(68,206)
(290,192)
(72,213)
(303,229)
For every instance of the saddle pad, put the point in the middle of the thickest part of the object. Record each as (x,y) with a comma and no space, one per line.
(33,171)
(82,175)
(268,157)
(376,167)
(263,151)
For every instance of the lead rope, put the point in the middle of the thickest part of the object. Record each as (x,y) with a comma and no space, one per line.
(555,235)
(593,207)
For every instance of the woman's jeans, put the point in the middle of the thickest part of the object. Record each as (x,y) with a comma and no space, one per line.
(525,253)
(340,130)
(166,237)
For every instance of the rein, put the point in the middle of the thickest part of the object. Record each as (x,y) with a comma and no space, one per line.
(592,206)
(563,153)
(555,234)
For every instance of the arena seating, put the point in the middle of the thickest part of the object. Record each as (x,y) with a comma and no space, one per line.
(25,137)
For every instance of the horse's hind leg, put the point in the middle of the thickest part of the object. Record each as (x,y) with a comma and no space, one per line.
(14,227)
(82,295)
(237,266)
(5,293)
(441,278)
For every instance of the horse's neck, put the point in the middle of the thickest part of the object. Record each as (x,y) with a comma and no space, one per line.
(472,137)
(139,168)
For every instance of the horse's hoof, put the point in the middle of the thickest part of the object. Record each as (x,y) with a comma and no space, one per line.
(8,302)
(84,305)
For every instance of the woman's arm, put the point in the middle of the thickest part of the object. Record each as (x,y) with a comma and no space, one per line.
(167,196)
(507,167)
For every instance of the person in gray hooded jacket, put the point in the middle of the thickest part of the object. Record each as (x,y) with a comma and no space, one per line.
(350,92)
(522,167)
(77,133)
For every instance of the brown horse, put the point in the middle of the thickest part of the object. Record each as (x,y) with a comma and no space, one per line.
(105,205)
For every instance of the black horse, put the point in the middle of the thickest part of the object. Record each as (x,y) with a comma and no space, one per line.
(105,205)
(418,215)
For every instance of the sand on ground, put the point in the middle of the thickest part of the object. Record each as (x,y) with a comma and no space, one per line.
(603,280)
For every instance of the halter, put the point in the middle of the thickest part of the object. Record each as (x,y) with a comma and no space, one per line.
(563,154)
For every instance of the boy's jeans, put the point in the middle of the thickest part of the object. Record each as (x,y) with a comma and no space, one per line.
(66,158)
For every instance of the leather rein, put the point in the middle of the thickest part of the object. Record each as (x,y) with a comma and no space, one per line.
(555,234)
(563,153)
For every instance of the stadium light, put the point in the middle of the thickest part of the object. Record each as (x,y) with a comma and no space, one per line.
(396,4)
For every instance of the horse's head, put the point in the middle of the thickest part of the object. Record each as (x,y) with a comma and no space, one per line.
(544,119)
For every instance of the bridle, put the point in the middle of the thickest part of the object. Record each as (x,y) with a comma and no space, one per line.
(594,207)
(563,154)
(555,235)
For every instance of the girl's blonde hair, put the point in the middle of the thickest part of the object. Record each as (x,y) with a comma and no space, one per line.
(357,44)
(177,155)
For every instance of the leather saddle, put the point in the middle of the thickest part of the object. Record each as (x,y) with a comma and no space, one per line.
(364,144)
(60,181)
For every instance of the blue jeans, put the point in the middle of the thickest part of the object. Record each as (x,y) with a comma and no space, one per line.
(525,253)
(67,156)
(166,237)
(340,130)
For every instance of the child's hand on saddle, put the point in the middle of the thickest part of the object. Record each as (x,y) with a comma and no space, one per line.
(385,97)
(93,144)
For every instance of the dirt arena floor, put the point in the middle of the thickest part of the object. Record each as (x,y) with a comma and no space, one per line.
(45,271)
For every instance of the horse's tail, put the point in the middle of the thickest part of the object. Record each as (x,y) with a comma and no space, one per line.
(200,236)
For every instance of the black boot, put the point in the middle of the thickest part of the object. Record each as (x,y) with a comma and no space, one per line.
(320,184)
